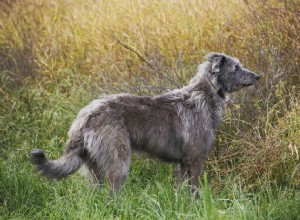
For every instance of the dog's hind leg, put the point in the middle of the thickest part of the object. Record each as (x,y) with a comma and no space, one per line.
(119,164)
(94,173)
(110,153)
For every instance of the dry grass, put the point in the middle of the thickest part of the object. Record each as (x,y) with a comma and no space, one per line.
(55,56)
(79,34)
(44,43)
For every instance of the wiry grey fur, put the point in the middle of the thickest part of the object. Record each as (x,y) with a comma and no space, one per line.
(177,126)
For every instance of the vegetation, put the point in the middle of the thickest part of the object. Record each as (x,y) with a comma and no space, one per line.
(56,56)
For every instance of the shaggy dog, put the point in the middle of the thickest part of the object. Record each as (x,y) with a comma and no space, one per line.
(177,126)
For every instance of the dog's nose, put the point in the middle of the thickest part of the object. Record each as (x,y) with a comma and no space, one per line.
(257,77)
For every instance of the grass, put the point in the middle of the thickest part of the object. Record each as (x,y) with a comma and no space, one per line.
(56,56)
(147,196)
(40,118)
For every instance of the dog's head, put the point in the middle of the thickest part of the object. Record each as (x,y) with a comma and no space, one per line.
(228,74)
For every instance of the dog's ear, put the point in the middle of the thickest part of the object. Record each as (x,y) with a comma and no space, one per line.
(217,60)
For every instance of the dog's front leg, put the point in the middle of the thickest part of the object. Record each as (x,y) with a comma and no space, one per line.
(196,169)
(181,172)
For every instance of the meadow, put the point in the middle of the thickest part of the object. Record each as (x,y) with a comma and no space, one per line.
(56,56)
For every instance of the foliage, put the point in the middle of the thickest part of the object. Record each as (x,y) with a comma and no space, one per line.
(56,56)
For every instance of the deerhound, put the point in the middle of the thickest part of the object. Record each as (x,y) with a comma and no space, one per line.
(177,126)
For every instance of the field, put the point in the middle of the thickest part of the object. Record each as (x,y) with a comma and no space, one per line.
(56,56)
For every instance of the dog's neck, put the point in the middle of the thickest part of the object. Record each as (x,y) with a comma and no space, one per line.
(204,80)
(205,84)
(219,91)
(202,92)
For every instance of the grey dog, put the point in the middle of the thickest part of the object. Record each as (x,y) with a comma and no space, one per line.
(177,126)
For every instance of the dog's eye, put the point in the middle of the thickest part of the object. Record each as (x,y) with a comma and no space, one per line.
(237,68)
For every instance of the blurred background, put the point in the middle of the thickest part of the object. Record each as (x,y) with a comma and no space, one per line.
(56,56)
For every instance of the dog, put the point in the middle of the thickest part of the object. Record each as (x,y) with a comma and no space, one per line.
(177,126)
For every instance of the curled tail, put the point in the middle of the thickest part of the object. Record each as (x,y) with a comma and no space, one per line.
(60,168)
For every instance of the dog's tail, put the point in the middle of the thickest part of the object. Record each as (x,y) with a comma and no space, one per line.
(60,168)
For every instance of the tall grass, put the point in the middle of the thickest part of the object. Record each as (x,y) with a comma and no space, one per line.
(56,56)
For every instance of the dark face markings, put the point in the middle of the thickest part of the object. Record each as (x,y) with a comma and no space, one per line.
(232,76)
